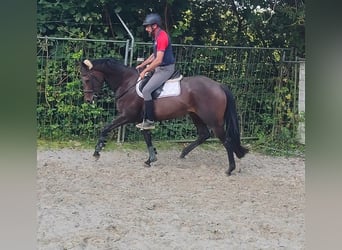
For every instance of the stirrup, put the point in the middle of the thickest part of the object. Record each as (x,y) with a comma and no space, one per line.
(146,124)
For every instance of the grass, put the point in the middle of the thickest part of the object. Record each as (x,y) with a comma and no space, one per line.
(256,146)
(113,145)
(110,145)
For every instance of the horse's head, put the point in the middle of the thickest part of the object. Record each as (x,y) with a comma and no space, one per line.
(92,80)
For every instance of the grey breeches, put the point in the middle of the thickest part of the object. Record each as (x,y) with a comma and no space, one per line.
(161,74)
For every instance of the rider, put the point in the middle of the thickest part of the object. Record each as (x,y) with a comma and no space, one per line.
(162,61)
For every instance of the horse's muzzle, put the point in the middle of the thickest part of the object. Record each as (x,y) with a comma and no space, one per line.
(90,99)
(89,96)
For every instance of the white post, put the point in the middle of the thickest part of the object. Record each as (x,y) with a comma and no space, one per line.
(301,103)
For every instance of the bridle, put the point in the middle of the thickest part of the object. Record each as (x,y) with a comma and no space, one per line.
(92,77)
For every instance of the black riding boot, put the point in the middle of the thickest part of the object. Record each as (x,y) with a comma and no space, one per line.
(148,122)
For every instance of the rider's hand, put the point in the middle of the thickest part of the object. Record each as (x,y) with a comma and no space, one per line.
(142,75)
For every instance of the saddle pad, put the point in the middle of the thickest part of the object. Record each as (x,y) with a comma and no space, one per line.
(170,88)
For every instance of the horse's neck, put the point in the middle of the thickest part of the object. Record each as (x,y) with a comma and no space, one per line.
(120,82)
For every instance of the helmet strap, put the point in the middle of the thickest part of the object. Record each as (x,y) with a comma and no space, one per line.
(154,29)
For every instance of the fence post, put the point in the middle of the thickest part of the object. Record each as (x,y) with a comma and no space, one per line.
(301,103)
(122,129)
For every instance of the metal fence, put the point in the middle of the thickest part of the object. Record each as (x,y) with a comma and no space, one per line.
(263,82)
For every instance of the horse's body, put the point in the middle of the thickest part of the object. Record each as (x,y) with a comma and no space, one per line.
(208,103)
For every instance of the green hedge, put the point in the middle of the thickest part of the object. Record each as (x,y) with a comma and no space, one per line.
(266,96)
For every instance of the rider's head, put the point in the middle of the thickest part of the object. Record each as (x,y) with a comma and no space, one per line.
(152,22)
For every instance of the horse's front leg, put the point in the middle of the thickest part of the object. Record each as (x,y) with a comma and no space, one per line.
(151,150)
(101,143)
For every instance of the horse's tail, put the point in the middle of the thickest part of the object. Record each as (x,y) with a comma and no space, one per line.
(232,124)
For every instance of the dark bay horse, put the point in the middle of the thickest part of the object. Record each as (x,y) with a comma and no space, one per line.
(208,103)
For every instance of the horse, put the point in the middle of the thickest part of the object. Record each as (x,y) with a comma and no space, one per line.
(210,105)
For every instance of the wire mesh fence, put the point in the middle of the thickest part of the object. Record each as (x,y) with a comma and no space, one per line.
(264,86)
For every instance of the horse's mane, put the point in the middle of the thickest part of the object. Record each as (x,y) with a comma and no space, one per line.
(106,64)
(106,60)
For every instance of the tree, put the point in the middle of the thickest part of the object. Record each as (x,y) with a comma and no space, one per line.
(260,23)
(257,23)
(97,19)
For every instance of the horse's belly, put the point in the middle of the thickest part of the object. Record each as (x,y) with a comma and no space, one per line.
(170,109)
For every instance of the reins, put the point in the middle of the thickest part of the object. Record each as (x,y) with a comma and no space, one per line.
(90,66)
(124,93)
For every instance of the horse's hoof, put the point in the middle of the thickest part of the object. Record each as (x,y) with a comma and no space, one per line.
(229,172)
(96,155)
(147,164)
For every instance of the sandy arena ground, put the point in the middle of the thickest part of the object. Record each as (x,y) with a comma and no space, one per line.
(116,203)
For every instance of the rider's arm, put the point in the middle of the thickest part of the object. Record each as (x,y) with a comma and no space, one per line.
(154,64)
(146,62)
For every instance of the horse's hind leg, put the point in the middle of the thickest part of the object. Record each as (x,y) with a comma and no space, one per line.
(220,133)
(203,135)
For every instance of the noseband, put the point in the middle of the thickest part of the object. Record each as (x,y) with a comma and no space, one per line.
(92,77)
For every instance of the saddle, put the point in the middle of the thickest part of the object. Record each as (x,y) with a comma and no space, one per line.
(175,75)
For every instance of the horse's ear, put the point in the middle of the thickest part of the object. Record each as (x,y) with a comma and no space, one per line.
(88,64)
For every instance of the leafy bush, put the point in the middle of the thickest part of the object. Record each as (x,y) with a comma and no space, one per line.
(266,97)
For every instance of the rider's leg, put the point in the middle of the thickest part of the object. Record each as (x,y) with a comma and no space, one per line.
(160,75)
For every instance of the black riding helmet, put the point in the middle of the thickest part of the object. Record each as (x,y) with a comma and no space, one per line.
(152,19)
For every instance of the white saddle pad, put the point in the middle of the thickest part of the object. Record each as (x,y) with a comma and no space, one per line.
(170,88)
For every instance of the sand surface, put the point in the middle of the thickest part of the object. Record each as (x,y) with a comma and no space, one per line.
(116,203)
